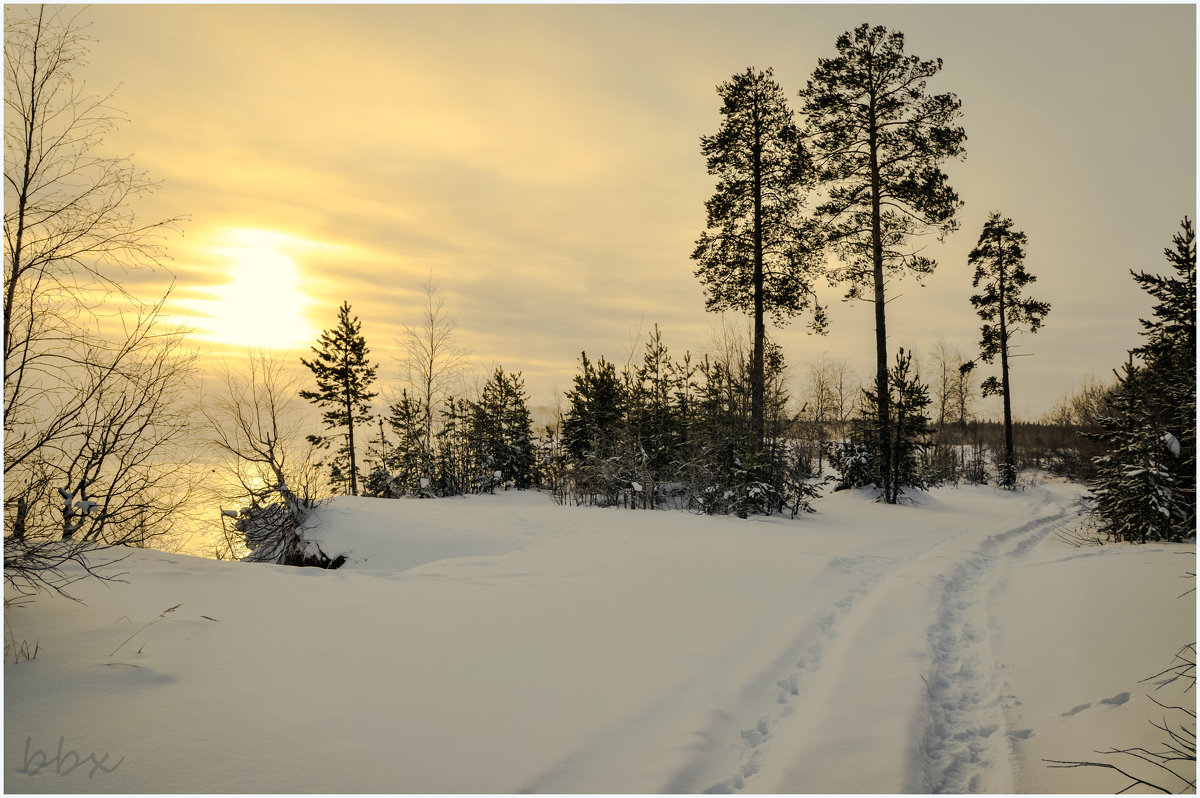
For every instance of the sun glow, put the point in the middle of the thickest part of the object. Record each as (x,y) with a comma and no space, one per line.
(262,305)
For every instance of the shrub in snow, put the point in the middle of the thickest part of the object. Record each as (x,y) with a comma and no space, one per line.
(854,465)
(382,485)
(272,534)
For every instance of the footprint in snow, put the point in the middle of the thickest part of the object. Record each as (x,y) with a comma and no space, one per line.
(755,736)
(1114,701)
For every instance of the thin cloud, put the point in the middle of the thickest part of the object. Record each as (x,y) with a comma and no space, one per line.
(543,162)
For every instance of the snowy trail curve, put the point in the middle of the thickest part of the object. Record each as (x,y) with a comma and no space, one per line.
(856,676)
(965,746)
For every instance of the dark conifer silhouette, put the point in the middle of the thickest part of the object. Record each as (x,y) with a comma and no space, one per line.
(879,140)
(502,430)
(757,255)
(344,376)
(999,261)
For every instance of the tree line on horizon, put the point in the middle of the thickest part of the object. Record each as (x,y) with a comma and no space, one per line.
(679,433)
(96,423)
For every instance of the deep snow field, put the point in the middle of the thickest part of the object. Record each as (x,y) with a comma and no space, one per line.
(505,644)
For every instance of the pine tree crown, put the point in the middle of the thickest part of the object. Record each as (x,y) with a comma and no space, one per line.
(873,96)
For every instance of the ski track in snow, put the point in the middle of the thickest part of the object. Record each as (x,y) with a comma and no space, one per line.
(966,736)
(777,692)
(964,732)
(774,694)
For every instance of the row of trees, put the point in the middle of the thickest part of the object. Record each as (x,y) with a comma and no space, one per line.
(429,442)
(872,148)
(664,432)
(479,444)
(680,433)
(676,432)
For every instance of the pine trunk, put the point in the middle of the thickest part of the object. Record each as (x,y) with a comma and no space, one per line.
(883,400)
(1009,476)
(758,368)
(350,443)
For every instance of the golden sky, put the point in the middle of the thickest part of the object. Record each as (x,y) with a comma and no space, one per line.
(542,162)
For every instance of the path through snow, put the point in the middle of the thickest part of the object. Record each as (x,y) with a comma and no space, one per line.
(866,678)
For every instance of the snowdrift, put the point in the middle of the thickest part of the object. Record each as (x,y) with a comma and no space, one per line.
(506,644)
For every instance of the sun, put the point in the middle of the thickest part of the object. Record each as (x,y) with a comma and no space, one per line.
(262,304)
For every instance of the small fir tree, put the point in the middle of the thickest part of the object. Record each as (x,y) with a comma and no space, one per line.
(344,377)
(593,425)
(379,482)
(409,458)
(730,470)
(503,430)
(654,428)
(861,462)
(453,458)
(913,426)
(1137,493)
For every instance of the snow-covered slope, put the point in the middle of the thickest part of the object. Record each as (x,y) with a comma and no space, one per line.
(505,644)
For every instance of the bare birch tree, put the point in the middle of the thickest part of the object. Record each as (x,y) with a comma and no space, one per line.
(92,381)
(950,379)
(432,359)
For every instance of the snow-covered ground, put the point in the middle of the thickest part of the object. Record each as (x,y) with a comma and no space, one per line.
(507,644)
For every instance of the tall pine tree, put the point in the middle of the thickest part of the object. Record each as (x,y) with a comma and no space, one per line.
(757,255)
(879,140)
(344,376)
(999,261)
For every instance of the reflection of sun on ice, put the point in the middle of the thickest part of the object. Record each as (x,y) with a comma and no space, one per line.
(262,305)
